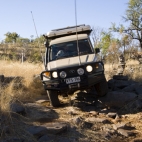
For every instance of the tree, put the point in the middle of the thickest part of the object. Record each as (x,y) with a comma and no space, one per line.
(97,36)
(134,18)
(40,40)
(105,41)
(11,37)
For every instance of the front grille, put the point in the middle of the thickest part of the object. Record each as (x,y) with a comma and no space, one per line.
(71,72)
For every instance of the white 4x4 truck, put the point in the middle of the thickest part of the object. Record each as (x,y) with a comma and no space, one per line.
(71,63)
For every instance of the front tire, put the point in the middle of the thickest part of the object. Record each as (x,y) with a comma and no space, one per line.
(53,97)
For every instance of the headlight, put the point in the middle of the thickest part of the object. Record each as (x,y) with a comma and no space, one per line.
(80,71)
(63,74)
(47,74)
(54,74)
(89,68)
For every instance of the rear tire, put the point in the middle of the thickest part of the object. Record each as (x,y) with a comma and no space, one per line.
(101,88)
(53,97)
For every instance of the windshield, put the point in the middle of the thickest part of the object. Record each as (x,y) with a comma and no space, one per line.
(69,49)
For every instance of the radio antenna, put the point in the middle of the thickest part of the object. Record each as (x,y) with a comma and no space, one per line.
(77,34)
(37,38)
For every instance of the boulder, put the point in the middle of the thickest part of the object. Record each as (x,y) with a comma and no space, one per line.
(120,84)
(130,88)
(17,107)
(120,77)
(138,90)
(39,113)
(117,99)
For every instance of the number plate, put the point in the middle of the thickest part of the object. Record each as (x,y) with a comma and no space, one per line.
(72,80)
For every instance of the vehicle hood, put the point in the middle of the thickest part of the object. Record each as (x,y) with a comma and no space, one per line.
(73,61)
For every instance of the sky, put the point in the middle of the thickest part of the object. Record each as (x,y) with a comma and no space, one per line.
(15,15)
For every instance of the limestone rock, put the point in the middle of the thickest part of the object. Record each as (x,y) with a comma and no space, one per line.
(126,133)
(97,120)
(56,127)
(112,115)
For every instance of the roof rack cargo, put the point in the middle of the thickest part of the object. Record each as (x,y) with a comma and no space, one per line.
(81,29)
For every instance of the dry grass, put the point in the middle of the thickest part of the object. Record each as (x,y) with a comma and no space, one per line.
(134,74)
(26,70)
(29,88)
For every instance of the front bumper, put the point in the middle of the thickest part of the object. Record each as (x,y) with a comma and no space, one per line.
(85,82)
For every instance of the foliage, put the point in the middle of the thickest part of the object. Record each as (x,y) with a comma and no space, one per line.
(11,37)
(133,17)
(23,40)
(105,41)
(39,40)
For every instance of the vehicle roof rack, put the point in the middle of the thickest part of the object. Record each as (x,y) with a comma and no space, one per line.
(81,29)
(68,27)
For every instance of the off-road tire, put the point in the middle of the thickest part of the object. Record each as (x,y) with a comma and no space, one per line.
(53,97)
(101,88)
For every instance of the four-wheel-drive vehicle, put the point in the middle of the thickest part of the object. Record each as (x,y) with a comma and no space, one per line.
(71,63)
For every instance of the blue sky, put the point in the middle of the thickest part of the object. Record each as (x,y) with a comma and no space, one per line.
(15,15)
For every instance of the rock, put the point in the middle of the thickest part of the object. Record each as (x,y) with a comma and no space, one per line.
(112,115)
(79,104)
(117,99)
(111,83)
(119,125)
(70,112)
(17,107)
(42,101)
(13,139)
(121,83)
(126,133)
(138,90)
(137,140)
(123,125)
(40,113)
(97,120)
(46,138)
(137,104)
(94,113)
(56,127)
(87,125)
(77,121)
(120,77)
(37,131)
(130,88)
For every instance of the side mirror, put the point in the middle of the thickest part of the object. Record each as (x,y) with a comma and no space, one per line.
(97,50)
(46,43)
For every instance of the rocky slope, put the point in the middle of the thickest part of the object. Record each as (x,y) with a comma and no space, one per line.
(83,117)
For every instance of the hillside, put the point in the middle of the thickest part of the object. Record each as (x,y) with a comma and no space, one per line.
(26,114)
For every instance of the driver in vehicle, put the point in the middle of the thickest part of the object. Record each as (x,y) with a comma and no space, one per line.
(64,52)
